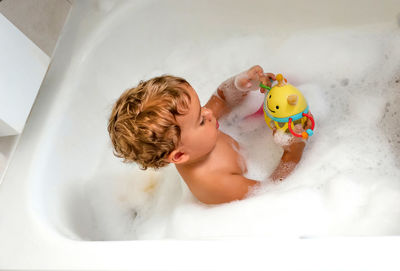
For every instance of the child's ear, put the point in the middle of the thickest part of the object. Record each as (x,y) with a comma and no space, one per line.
(177,157)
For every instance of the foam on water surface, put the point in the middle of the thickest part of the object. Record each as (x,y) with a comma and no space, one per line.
(348,181)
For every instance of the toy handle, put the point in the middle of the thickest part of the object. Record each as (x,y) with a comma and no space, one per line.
(306,134)
(267,88)
(312,120)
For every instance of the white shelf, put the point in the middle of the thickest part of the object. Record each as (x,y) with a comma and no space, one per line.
(23,66)
(7,147)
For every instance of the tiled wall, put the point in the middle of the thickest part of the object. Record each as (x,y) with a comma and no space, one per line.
(40,20)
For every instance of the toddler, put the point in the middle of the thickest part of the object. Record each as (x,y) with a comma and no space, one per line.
(161,121)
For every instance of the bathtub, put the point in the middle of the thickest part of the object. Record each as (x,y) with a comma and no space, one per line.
(45,223)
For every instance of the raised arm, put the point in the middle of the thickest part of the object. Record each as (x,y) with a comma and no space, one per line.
(217,105)
(232,91)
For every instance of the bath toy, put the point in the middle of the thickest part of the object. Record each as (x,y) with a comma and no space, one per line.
(285,106)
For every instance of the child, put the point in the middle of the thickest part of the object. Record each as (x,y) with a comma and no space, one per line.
(161,121)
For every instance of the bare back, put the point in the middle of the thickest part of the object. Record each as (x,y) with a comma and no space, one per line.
(212,176)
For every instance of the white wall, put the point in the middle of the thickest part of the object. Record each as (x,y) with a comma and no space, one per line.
(40,20)
(22,68)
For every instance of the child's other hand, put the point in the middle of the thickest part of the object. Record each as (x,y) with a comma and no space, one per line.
(250,79)
(299,129)
(308,124)
(285,140)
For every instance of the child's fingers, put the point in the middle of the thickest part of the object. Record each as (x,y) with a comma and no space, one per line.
(264,81)
(298,128)
(260,73)
(257,69)
(267,79)
(255,72)
(308,124)
(271,76)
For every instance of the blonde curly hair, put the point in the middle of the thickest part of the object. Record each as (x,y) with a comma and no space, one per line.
(143,126)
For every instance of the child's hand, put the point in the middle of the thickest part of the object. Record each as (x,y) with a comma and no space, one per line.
(285,140)
(267,80)
(250,79)
(235,89)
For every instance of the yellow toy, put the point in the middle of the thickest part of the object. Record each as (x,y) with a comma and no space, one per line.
(285,106)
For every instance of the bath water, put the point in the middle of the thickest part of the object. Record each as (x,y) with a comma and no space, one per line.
(348,181)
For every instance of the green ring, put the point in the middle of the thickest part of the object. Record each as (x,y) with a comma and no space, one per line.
(264,86)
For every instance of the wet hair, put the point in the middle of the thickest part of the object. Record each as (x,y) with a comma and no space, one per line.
(143,126)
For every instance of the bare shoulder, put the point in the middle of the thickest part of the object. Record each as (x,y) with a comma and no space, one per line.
(228,139)
(221,188)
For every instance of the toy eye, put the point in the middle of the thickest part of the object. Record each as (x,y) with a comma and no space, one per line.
(270,96)
(277,107)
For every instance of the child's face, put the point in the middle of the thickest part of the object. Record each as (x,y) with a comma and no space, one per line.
(199,128)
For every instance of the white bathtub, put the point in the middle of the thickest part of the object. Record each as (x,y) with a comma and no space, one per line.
(45,223)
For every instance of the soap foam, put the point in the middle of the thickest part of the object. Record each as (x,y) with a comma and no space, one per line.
(348,181)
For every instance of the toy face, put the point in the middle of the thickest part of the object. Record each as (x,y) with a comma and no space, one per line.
(275,104)
(285,101)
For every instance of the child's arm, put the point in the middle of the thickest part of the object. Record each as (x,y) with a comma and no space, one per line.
(290,158)
(232,91)
(291,154)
